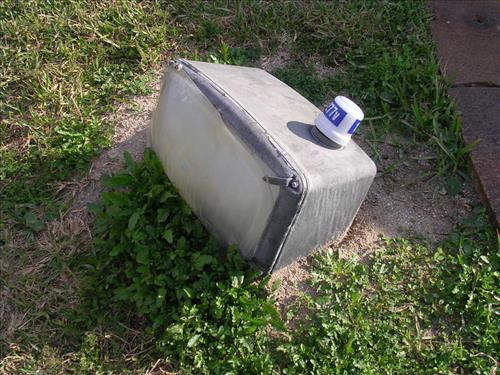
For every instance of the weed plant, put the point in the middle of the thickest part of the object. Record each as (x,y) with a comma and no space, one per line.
(410,309)
(152,253)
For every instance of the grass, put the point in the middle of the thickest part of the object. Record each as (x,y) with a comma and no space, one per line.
(414,308)
(154,284)
(63,66)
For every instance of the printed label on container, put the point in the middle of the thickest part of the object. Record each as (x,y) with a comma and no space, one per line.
(354,127)
(334,113)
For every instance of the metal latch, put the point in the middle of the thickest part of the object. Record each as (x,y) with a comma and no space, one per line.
(282,181)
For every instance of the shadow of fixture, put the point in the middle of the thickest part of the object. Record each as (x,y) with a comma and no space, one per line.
(311,133)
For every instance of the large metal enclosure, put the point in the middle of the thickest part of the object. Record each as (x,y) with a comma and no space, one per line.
(237,144)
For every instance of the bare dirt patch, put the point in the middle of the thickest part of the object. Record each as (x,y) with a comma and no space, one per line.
(280,59)
(406,203)
(283,58)
(321,69)
(292,281)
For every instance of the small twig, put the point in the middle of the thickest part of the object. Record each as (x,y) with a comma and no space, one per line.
(150,371)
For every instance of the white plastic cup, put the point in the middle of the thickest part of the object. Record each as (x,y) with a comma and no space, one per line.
(340,120)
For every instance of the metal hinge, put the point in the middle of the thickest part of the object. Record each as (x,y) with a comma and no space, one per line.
(282,181)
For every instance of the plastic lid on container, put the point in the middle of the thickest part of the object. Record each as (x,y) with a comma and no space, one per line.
(339,120)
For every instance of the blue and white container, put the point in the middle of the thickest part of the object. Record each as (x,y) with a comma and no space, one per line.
(340,120)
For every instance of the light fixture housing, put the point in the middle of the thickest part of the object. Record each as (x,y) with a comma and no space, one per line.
(237,144)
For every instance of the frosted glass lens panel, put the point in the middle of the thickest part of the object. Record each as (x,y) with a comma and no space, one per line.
(212,169)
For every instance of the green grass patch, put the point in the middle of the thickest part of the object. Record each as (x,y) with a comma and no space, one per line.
(413,309)
(62,66)
(410,309)
(155,286)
